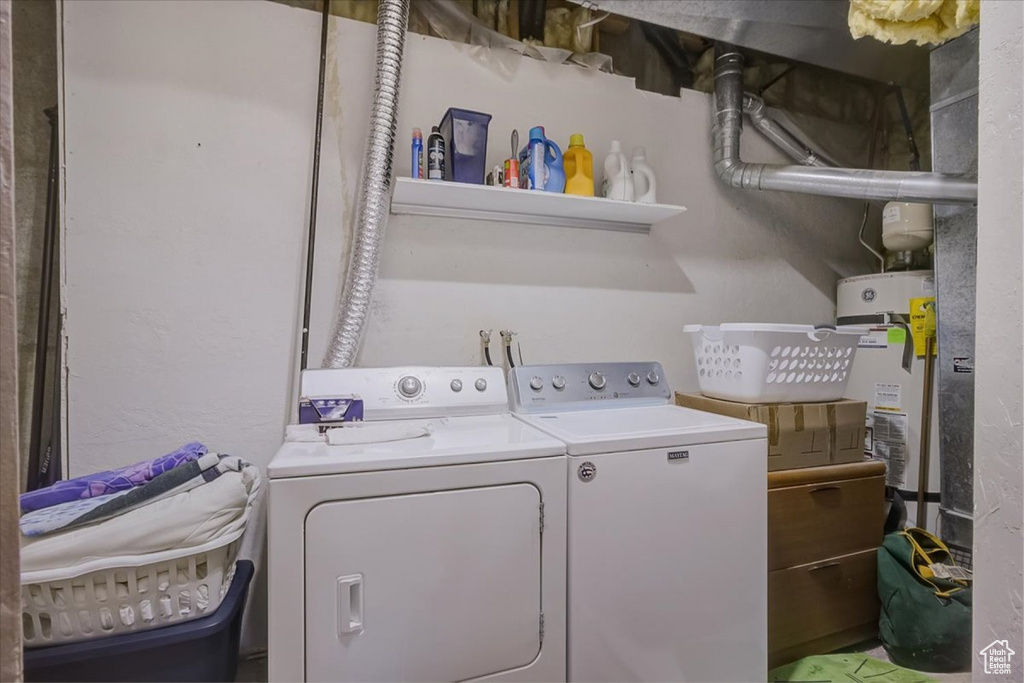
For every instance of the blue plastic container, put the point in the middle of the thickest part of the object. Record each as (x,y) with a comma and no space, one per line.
(204,649)
(541,166)
(465,133)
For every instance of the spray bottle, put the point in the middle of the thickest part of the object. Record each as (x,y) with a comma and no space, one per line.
(417,153)
(435,155)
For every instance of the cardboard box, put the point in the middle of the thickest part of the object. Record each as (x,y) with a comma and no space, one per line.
(799,434)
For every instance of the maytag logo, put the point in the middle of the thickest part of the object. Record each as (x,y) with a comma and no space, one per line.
(678,455)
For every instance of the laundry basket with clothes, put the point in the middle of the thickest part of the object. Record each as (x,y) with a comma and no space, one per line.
(145,546)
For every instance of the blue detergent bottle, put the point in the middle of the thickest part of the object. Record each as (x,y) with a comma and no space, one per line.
(540,164)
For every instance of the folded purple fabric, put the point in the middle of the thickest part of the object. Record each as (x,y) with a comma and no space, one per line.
(110,481)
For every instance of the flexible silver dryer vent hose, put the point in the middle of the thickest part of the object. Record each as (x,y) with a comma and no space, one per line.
(727,125)
(375,194)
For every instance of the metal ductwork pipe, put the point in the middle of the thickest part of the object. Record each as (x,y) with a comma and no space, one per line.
(754,107)
(375,195)
(934,188)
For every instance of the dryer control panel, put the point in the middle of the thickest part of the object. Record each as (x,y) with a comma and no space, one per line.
(411,392)
(587,386)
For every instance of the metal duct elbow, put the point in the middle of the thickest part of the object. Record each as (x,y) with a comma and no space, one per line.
(727,126)
(375,194)
(755,108)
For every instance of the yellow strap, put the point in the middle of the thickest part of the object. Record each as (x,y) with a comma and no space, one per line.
(918,550)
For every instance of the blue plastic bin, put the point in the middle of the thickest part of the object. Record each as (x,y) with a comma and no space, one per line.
(465,134)
(204,649)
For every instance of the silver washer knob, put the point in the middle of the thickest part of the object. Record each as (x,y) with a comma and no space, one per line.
(409,386)
(652,377)
(633,379)
(456,385)
(536,383)
(597,380)
(558,382)
(481,384)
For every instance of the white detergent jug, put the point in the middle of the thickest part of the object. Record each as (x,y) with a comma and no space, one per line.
(617,183)
(644,184)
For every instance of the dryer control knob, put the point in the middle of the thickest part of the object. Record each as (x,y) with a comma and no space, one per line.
(633,379)
(597,380)
(456,385)
(481,384)
(558,382)
(410,386)
(652,378)
(536,383)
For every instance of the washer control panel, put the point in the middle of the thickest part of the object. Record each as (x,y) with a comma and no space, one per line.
(412,391)
(584,386)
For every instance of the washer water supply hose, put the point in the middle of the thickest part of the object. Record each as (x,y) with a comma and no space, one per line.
(375,194)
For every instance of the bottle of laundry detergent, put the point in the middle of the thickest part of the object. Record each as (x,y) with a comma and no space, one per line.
(579,168)
(540,164)
(644,184)
(618,183)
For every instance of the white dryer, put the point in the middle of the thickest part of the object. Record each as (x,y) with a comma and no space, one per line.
(433,558)
(667,532)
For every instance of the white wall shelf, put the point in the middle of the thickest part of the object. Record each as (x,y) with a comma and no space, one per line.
(482,202)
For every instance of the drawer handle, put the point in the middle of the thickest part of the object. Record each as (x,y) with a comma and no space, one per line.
(825,488)
(823,566)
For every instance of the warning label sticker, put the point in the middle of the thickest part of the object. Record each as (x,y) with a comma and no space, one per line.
(889,430)
(888,397)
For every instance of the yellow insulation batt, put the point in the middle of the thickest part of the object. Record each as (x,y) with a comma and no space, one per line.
(922,21)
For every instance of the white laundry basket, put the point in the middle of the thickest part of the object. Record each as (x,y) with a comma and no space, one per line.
(764,363)
(131,593)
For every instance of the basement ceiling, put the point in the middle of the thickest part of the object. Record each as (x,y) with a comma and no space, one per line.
(810,31)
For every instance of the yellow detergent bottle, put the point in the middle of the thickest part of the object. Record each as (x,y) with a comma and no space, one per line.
(579,167)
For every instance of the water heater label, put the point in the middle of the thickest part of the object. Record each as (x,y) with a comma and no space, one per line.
(875,339)
(888,397)
(890,444)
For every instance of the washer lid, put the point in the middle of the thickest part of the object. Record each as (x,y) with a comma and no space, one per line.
(452,441)
(634,429)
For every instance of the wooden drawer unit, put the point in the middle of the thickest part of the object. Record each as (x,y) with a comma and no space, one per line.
(824,529)
(821,598)
(824,519)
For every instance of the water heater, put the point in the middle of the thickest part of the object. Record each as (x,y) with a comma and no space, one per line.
(888,374)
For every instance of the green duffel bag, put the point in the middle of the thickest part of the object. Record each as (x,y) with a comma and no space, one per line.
(925,622)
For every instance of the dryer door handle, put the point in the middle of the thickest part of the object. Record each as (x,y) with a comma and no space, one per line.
(350,604)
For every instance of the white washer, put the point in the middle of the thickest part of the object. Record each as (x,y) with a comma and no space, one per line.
(667,532)
(437,558)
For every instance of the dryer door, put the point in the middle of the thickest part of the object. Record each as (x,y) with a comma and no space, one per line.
(439,586)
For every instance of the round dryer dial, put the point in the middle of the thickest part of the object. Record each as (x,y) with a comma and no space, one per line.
(597,380)
(409,386)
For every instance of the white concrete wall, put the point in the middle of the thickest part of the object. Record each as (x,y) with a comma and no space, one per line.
(999,412)
(189,131)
